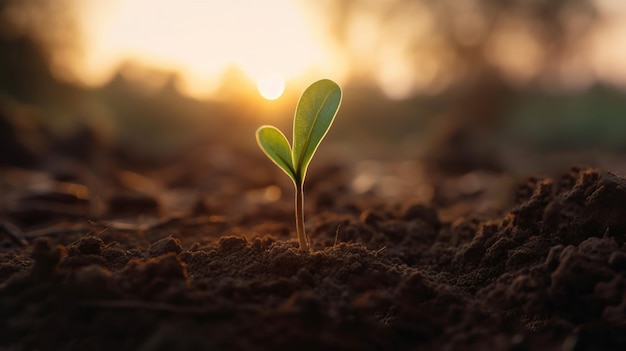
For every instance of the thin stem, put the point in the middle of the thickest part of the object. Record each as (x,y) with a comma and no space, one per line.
(303,239)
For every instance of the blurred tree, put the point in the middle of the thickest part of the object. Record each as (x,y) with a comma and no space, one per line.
(477,51)
(34,34)
(454,41)
(42,117)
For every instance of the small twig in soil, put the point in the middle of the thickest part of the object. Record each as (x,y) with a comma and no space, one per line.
(122,226)
(336,235)
(13,232)
(165,221)
(103,230)
(379,250)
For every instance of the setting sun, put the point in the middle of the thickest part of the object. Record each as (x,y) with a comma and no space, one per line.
(271,86)
(398,47)
(200,40)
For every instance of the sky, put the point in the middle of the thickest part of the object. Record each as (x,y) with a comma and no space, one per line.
(270,41)
(277,42)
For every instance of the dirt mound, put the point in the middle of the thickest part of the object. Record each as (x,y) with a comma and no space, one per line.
(548,274)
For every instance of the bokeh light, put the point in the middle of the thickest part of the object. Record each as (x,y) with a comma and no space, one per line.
(198,39)
(444,79)
(405,48)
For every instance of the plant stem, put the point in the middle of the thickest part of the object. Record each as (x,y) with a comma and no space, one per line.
(303,239)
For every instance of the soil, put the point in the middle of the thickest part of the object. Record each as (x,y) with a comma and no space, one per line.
(201,255)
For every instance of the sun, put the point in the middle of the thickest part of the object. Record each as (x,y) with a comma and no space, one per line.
(271,86)
(201,40)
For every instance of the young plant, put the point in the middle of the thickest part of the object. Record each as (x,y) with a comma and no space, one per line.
(315,113)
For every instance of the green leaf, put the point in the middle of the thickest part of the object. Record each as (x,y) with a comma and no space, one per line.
(275,145)
(315,113)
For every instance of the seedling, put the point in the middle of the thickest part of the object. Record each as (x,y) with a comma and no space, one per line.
(315,113)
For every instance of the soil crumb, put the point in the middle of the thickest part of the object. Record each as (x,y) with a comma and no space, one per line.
(545,273)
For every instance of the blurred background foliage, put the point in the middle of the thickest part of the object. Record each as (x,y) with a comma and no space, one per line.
(464,84)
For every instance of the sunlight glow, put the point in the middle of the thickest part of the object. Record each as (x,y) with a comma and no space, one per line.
(198,39)
(271,86)
(404,53)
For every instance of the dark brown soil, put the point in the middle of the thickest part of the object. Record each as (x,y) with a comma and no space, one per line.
(205,260)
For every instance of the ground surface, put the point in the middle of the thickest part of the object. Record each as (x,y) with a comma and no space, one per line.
(201,256)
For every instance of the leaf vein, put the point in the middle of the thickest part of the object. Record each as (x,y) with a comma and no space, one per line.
(308,137)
